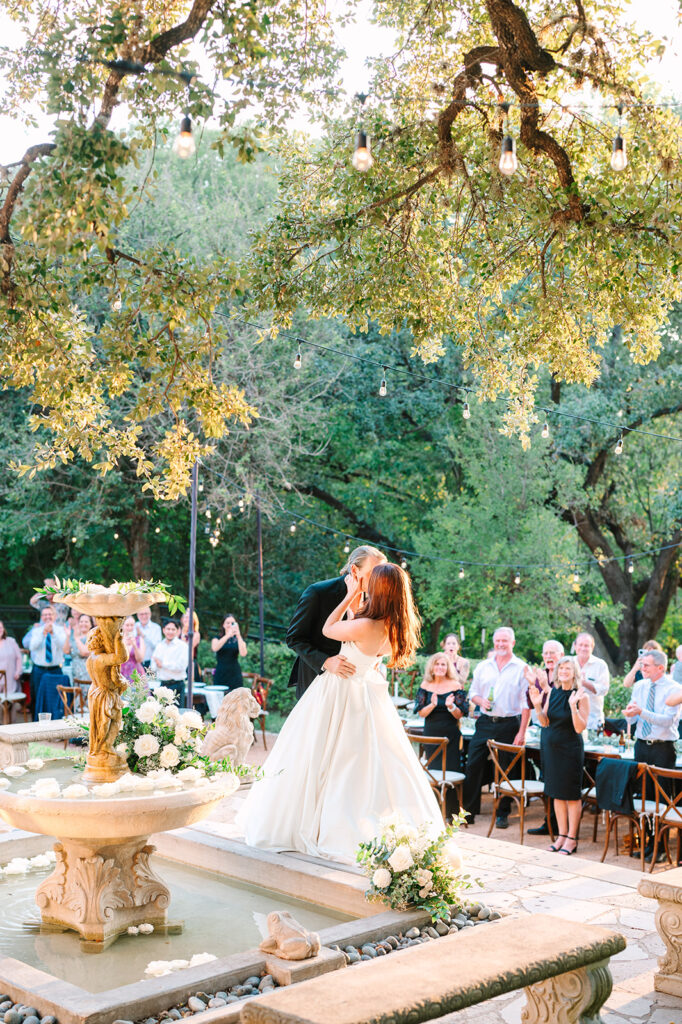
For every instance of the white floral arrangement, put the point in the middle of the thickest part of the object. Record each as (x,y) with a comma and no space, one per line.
(410,867)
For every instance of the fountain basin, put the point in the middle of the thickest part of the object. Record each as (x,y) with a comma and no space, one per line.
(103,881)
(103,603)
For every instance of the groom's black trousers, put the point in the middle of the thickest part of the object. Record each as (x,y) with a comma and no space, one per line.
(503,730)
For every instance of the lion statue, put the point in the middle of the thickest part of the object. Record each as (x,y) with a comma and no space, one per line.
(288,939)
(232,734)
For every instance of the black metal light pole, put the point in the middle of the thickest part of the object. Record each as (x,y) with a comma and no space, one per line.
(192,579)
(261,596)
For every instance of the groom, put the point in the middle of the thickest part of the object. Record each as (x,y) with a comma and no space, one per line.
(317,653)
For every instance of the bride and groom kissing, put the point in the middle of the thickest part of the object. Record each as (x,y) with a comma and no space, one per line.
(342,761)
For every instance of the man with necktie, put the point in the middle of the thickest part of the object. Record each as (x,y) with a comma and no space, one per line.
(46,642)
(657,728)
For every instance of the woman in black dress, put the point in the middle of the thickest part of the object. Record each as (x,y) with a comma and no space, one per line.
(563,718)
(228,648)
(441,702)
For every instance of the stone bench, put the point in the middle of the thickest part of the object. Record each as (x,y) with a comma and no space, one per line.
(14,739)
(562,965)
(666,889)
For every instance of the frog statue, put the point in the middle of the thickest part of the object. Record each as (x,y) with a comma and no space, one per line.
(288,939)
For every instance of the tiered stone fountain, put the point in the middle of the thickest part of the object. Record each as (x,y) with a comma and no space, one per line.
(103,881)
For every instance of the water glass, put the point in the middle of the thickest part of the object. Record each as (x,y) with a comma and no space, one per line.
(45,716)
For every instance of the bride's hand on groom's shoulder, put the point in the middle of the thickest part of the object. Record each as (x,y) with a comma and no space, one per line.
(352,585)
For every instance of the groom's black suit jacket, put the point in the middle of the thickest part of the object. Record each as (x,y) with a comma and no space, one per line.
(304,635)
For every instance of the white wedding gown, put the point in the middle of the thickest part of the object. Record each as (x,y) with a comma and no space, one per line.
(341,763)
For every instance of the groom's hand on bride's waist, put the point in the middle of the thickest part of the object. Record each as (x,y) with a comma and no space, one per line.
(339,666)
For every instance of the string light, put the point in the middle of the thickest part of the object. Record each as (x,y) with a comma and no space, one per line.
(115,536)
(461,572)
(630,565)
(545,429)
(298,361)
(292,528)
(117,303)
(618,450)
(229,515)
(403,563)
(362,156)
(466,412)
(200,488)
(157,530)
(619,157)
(382,386)
(576,576)
(208,513)
(517,578)
(184,146)
(346,548)
(74,540)
(240,504)
(508,163)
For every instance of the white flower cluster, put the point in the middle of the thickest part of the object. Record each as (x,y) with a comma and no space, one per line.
(408,845)
(20,865)
(159,968)
(161,713)
(141,929)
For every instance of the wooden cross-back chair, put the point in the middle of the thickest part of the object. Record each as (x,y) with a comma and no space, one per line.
(588,793)
(260,688)
(18,697)
(667,811)
(434,763)
(635,818)
(72,699)
(507,759)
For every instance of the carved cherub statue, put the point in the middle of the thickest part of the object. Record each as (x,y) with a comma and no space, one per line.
(288,939)
(232,734)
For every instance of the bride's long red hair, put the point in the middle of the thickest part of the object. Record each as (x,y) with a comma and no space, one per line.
(389,597)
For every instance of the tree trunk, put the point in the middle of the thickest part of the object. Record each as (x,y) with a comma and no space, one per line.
(137,541)
(434,631)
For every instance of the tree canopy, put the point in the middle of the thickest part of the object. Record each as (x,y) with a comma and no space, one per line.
(114,337)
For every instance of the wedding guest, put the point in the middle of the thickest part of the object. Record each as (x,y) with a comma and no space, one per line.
(452,647)
(499,689)
(45,642)
(80,653)
(40,601)
(229,648)
(10,668)
(134,646)
(196,637)
(542,681)
(656,703)
(169,661)
(441,702)
(563,719)
(594,674)
(635,673)
(150,632)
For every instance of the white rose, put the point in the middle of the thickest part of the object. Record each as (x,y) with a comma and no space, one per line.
(106,789)
(14,771)
(146,745)
(192,719)
(17,866)
(406,832)
(401,858)
(170,756)
(424,876)
(122,749)
(4,783)
(381,879)
(133,930)
(426,890)
(148,711)
(34,764)
(182,734)
(453,855)
(41,860)
(164,694)
(126,783)
(201,958)
(190,774)
(143,784)
(146,929)
(75,792)
(390,820)
(419,846)
(47,789)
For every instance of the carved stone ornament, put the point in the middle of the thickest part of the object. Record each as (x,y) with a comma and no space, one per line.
(288,939)
(574,998)
(232,735)
(666,889)
(101,892)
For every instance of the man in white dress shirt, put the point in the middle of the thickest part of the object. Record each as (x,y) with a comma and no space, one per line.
(170,660)
(150,632)
(595,678)
(657,728)
(499,690)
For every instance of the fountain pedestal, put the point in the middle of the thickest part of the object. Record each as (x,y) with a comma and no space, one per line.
(101,889)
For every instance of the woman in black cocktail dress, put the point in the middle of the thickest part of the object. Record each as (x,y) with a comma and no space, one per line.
(228,649)
(563,719)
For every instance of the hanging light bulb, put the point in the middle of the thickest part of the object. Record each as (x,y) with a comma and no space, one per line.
(208,513)
(184,144)
(517,578)
(346,548)
(200,488)
(619,156)
(466,412)
(403,563)
(115,536)
(240,504)
(157,530)
(576,576)
(229,515)
(74,540)
(508,163)
(298,361)
(382,386)
(545,429)
(292,528)
(461,572)
(207,529)
(362,157)
(630,566)
(618,450)
(218,521)
(117,303)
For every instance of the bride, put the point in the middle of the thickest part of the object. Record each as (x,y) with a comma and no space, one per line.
(342,761)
